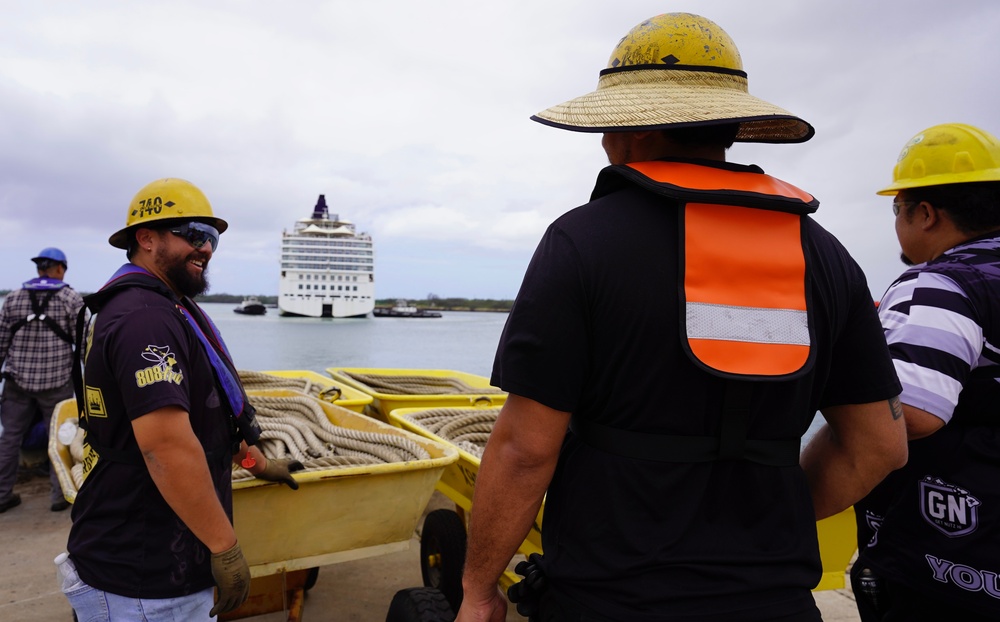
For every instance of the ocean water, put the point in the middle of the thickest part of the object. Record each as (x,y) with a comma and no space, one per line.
(460,341)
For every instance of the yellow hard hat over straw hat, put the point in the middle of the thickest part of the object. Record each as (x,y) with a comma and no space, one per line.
(676,70)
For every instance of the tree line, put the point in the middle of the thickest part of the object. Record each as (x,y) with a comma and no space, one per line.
(432,302)
(437,303)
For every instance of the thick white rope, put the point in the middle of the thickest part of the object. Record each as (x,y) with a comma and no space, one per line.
(468,428)
(257,380)
(298,428)
(419,384)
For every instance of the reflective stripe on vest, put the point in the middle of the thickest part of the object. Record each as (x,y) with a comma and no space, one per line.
(744,268)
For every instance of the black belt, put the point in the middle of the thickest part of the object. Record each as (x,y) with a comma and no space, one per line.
(676,448)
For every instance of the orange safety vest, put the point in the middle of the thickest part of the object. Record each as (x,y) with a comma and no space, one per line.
(744,269)
(745,302)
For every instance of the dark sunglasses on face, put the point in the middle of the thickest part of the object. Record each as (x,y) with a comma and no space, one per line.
(197,234)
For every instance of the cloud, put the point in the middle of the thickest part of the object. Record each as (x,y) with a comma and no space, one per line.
(412,119)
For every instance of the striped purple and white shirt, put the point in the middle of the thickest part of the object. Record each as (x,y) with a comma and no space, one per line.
(933,329)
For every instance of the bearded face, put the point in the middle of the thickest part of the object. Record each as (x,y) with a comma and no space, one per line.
(186,269)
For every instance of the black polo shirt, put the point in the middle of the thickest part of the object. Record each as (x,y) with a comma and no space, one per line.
(125,539)
(595,330)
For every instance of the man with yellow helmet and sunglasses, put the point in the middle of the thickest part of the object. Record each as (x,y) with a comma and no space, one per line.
(165,416)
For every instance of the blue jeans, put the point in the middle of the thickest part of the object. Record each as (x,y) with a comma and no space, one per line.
(93,605)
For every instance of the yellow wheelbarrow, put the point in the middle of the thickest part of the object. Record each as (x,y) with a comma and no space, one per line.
(311,383)
(392,388)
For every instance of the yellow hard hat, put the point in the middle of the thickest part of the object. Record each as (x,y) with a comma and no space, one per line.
(951,153)
(676,70)
(677,39)
(166,199)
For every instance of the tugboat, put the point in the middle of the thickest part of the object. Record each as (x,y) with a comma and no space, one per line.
(403,309)
(251,306)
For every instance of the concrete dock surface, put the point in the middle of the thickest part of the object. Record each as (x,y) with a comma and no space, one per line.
(355,591)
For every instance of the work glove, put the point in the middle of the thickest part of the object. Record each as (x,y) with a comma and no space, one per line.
(281,471)
(232,576)
(527,593)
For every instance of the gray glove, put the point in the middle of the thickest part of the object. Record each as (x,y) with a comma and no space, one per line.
(281,471)
(232,576)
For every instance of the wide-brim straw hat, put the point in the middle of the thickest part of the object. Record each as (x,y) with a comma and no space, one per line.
(676,70)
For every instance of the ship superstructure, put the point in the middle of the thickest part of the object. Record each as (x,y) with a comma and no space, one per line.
(327,268)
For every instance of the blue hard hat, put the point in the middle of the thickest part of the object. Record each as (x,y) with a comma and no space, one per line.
(51,254)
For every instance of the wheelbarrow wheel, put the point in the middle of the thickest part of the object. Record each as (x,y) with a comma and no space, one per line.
(311,577)
(419,604)
(442,554)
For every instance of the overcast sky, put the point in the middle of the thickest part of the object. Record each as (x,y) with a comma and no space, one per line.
(412,119)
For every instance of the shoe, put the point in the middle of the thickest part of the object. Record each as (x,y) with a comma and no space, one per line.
(13,502)
(60,505)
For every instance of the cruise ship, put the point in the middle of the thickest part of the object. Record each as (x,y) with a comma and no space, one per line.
(327,268)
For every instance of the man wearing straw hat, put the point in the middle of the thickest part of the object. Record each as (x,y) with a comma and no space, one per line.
(670,345)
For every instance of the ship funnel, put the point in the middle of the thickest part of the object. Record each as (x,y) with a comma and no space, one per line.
(321,211)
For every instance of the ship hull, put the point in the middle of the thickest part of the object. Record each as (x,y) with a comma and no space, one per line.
(335,308)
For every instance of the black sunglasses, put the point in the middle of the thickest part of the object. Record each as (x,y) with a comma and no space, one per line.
(197,233)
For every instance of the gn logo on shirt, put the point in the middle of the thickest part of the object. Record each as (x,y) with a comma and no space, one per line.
(162,371)
(951,510)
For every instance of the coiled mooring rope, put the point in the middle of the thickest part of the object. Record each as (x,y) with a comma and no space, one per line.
(298,428)
(418,384)
(468,428)
(258,380)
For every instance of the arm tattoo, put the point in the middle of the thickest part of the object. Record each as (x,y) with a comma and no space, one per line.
(896,407)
